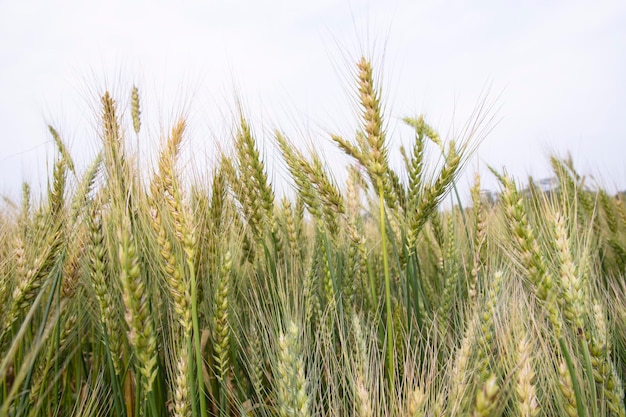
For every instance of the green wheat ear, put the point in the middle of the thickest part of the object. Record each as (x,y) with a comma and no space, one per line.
(181,388)
(222,326)
(486,398)
(109,314)
(525,383)
(567,391)
(291,392)
(141,333)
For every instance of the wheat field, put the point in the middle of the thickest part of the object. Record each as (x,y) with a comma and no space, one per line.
(133,293)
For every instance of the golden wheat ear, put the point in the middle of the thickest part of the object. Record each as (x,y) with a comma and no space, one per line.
(135,109)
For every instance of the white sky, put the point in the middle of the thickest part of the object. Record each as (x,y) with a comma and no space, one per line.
(556,68)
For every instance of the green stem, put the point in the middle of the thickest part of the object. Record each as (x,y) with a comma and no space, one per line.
(56,286)
(465,225)
(387,292)
(223,409)
(196,337)
(190,373)
(591,380)
(373,297)
(570,368)
(118,395)
(153,406)
(139,405)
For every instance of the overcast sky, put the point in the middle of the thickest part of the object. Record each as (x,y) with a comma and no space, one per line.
(555,69)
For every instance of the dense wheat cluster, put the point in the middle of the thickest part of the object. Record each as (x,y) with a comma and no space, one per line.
(130,293)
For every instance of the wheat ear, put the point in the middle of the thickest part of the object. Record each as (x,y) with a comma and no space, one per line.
(135,109)
(108,312)
(567,390)
(174,272)
(486,398)
(525,388)
(181,385)
(291,391)
(141,332)
(222,327)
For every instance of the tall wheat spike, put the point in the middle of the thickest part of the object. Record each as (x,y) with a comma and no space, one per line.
(253,181)
(135,109)
(114,157)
